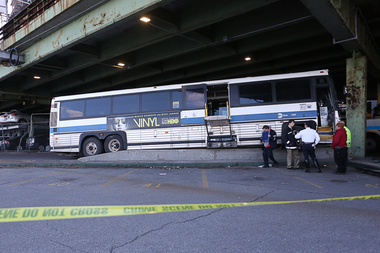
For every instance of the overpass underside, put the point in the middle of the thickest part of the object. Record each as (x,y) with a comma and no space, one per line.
(75,46)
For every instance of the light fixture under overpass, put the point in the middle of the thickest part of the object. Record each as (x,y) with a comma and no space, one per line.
(145,19)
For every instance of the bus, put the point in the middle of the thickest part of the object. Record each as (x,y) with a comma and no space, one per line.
(373,126)
(209,114)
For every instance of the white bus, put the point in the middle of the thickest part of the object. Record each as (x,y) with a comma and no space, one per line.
(222,113)
(373,126)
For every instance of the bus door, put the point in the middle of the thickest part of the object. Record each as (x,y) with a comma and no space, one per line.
(193,103)
(373,129)
(327,113)
(192,114)
(217,100)
(217,120)
(58,139)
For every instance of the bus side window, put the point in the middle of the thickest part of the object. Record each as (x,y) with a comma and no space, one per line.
(293,90)
(155,101)
(176,99)
(126,104)
(255,93)
(72,109)
(98,107)
(325,107)
(195,98)
(376,111)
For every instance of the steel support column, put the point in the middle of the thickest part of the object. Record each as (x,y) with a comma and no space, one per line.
(356,81)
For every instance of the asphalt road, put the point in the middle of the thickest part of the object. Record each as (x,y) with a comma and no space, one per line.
(334,226)
(33,155)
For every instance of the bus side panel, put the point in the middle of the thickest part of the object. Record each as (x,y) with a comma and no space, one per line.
(197,136)
(250,133)
(155,138)
(74,138)
(60,142)
(134,139)
(251,119)
(193,117)
(192,122)
(300,111)
(180,137)
(236,131)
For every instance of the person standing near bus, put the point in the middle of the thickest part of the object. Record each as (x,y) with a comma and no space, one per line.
(348,132)
(339,145)
(269,140)
(310,138)
(292,153)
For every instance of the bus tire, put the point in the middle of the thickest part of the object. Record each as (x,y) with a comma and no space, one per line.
(372,142)
(92,146)
(113,143)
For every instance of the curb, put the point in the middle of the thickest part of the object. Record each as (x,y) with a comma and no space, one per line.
(146,164)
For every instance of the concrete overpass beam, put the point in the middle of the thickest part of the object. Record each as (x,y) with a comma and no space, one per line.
(345,23)
(356,78)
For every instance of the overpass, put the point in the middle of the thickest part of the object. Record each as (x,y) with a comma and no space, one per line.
(77,46)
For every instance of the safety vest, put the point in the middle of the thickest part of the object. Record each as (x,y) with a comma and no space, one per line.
(348,132)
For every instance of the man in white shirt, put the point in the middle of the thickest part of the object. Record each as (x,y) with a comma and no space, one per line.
(310,138)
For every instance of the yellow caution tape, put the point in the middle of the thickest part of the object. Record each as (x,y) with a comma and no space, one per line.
(74,212)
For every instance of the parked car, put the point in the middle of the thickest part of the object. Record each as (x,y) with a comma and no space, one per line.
(4,144)
(38,142)
(3,117)
(15,116)
(39,138)
(14,143)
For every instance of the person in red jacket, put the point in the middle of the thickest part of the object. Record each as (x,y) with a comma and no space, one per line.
(339,145)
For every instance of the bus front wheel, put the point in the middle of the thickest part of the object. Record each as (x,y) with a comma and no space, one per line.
(113,143)
(92,146)
(372,142)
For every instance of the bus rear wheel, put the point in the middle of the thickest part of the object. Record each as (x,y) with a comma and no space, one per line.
(113,143)
(92,146)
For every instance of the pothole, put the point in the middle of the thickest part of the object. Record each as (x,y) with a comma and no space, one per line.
(338,181)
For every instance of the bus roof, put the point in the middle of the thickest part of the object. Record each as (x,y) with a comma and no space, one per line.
(323,72)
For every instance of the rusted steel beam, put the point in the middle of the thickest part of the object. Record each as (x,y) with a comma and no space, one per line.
(31,18)
(23,18)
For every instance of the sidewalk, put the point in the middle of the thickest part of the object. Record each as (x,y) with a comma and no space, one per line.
(176,157)
(197,157)
(367,164)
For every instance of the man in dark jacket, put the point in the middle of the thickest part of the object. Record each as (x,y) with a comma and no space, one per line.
(269,140)
(288,138)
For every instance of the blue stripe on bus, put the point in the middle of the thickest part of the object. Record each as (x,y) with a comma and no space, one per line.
(79,128)
(272,116)
(373,127)
(188,121)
